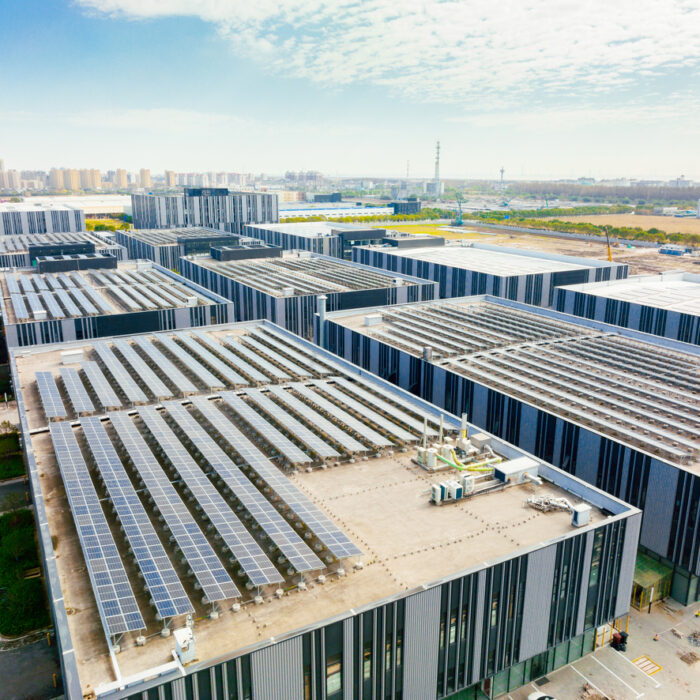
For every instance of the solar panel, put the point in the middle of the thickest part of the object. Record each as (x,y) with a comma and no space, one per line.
(68,303)
(286,364)
(253,373)
(65,280)
(124,298)
(40,284)
(104,392)
(334,539)
(163,584)
(374,417)
(115,599)
(21,313)
(148,376)
(52,305)
(298,429)
(183,384)
(77,394)
(131,389)
(79,279)
(53,282)
(100,302)
(35,304)
(372,436)
(149,293)
(212,360)
(213,579)
(50,397)
(167,295)
(26,283)
(12,286)
(273,436)
(317,420)
(244,548)
(282,343)
(84,302)
(199,371)
(275,526)
(241,349)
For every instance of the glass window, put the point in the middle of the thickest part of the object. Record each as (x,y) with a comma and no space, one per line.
(333,676)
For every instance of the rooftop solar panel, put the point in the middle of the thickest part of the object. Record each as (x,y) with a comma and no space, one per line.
(38,310)
(283,361)
(273,436)
(12,286)
(240,364)
(104,392)
(18,306)
(50,397)
(77,394)
(52,305)
(102,304)
(334,539)
(26,283)
(213,579)
(124,298)
(291,424)
(68,304)
(286,346)
(115,599)
(314,418)
(163,584)
(40,283)
(183,384)
(196,368)
(53,282)
(257,359)
(148,376)
(131,389)
(84,302)
(231,376)
(66,281)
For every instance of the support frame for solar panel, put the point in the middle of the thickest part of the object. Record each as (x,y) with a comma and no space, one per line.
(272,435)
(314,418)
(167,593)
(121,376)
(413,330)
(210,359)
(336,541)
(244,549)
(295,427)
(106,571)
(277,373)
(338,413)
(78,396)
(253,373)
(286,364)
(313,363)
(52,305)
(211,576)
(276,528)
(154,383)
(362,409)
(196,368)
(183,384)
(51,400)
(104,392)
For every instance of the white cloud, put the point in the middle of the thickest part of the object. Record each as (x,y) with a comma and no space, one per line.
(450,50)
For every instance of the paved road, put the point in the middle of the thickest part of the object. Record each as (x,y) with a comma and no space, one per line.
(27,672)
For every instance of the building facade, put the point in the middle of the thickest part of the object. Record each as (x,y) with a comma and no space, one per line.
(22,251)
(26,218)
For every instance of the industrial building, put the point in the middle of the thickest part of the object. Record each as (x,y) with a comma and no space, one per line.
(612,406)
(336,240)
(210,207)
(234,513)
(18,218)
(22,250)
(667,305)
(166,246)
(464,267)
(286,289)
(93,297)
(406,206)
(306,210)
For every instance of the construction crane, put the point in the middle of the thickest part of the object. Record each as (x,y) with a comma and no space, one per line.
(458,221)
(607,238)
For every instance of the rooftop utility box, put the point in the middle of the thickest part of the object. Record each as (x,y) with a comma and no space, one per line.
(480,440)
(580,514)
(71,356)
(373,319)
(513,471)
(184,644)
(191,301)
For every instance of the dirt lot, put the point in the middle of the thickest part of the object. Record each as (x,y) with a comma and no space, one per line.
(641,260)
(669,224)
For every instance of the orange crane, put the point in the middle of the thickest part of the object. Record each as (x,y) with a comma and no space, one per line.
(607,238)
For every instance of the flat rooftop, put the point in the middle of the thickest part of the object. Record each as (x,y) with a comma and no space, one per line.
(312,229)
(89,203)
(28,295)
(673,291)
(20,243)
(302,273)
(491,260)
(235,450)
(29,205)
(174,236)
(639,393)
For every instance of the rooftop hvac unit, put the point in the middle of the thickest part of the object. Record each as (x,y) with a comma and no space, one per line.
(373,319)
(69,357)
(287,291)
(191,301)
(39,314)
(516,471)
(580,514)
(184,644)
(480,440)
(143,265)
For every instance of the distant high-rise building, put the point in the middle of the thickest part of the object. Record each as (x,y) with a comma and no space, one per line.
(121,181)
(2,165)
(170,178)
(145,177)
(10,180)
(71,179)
(55,179)
(86,179)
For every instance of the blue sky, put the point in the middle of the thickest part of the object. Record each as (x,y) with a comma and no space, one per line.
(553,88)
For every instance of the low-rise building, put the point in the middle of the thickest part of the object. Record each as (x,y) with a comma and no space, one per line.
(31,218)
(22,250)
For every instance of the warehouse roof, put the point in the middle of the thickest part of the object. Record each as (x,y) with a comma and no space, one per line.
(239,402)
(174,236)
(490,259)
(297,274)
(640,393)
(673,291)
(312,229)
(29,205)
(20,243)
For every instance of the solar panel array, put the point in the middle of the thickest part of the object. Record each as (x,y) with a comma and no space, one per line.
(201,353)
(102,388)
(190,363)
(115,599)
(77,394)
(155,385)
(156,357)
(131,389)
(50,397)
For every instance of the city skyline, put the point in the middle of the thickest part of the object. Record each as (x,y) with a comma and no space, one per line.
(571,93)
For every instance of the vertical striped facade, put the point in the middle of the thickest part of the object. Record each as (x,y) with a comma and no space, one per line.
(668,494)
(537,289)
(323,244)
(26,220)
